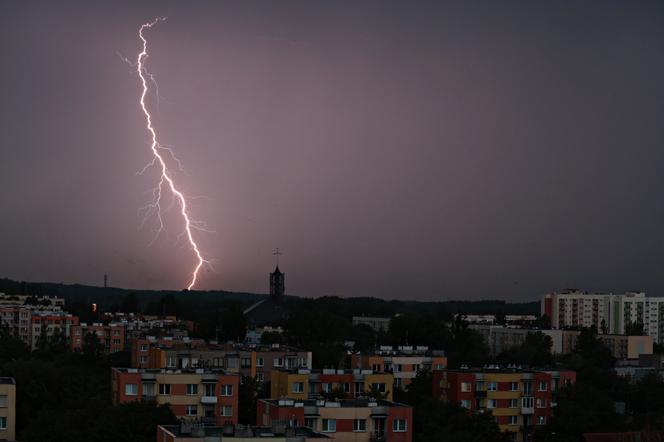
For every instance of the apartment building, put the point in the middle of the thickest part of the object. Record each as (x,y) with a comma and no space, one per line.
(403,362)
(50,303)
(210,396)
(17,319)
(311,384)
(144,349)
(7,409)
(45,325)
(278,432)
(519,400)
(381,325)
(255,361)
(609,313)
(111,336)
(356,420)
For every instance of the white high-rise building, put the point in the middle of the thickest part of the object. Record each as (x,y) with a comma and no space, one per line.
(609,313)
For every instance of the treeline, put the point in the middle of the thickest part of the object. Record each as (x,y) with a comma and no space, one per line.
(65,396)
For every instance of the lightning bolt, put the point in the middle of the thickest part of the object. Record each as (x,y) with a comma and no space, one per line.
(158,161)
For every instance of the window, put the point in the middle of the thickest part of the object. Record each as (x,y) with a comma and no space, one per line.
(399,425)
(3,423)
(359,425)
(513,403)
(144,347)
(513,420)
(376,368)
(245,363)
(303,362)
(479,386)
(542,386)
(396,368)
(144,359)
(191,410)
(227,411)
(131,389)
(209,389)
(164,388)
(326,386)
(260,362)
(3,400)
(227,390)
(492,386)
(346,387)
(259,377)
(465,387)
(527,388)
(465,403)
(278,362)
(310,422)
(514,386)
(329,425)
(527,402)
(540,403)
(192,389)
(379,387)
(439,366)
(298,387)
(492,403)
(541,420)
(148,389)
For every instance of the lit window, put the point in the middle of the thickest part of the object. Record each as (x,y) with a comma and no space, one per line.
(465,387)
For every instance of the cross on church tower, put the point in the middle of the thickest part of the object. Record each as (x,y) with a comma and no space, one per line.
(277,253)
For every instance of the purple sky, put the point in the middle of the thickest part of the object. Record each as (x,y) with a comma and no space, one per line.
(489,150)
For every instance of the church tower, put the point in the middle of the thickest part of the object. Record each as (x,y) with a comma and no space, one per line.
(277,287)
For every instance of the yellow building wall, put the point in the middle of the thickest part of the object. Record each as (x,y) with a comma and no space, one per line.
(9,412)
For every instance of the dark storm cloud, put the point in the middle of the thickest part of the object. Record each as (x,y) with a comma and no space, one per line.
(419,151)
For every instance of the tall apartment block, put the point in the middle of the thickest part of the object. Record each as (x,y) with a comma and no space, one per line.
(311,384)
(403,362)
(356,420)
(609,313)
(7,409)
(519,400)
(210,396)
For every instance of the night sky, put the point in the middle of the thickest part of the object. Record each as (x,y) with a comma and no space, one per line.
(407,150)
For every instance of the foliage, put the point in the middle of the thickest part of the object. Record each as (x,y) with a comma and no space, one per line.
(535,352)
(249,388)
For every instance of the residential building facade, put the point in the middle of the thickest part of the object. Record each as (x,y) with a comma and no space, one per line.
(352,420)
(111,336)
(608,313)
(403,362)
(7,409)
(210,396)
(310,384)
(519,400)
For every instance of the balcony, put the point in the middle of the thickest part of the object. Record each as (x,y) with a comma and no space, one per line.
(149,398)
(208,399)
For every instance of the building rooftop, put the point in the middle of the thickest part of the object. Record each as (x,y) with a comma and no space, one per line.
(195,431)
(341,403)
(216,371)
(10,381)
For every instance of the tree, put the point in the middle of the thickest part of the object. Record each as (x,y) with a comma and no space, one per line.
(92,348)
(247,395)
(130,303)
